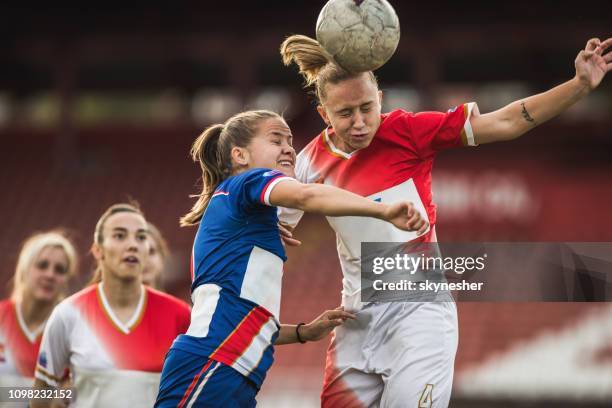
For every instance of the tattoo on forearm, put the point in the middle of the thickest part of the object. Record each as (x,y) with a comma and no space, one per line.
(526,114)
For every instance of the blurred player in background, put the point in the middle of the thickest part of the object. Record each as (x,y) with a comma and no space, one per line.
(237,261)
(46,262)
(158,256)
(112,335)
(400,354)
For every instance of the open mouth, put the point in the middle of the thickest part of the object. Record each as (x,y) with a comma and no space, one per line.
(132,260)
(286,163)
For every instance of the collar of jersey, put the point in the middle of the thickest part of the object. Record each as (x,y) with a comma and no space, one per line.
(332,149)
(125,328)
(30,335)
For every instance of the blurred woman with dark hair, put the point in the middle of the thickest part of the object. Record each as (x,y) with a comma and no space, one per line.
(46,262)
(112,335)
(157,260)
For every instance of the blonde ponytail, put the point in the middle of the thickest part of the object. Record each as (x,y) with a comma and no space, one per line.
(315,64)
(307,54)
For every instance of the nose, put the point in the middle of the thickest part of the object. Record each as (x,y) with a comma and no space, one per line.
(133,244)
(358,121)
(48,271)
(288,149)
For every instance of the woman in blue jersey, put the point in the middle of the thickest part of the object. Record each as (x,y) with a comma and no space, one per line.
(237,261)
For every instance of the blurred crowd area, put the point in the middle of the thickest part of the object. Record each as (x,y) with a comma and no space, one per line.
(100,104)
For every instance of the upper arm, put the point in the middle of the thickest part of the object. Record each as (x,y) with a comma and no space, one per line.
(496,126)
(54,354)
(288,194)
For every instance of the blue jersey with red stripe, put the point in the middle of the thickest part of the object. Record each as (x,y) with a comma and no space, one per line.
(237,263)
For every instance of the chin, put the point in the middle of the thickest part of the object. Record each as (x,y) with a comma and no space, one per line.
(44,296)
(130,274)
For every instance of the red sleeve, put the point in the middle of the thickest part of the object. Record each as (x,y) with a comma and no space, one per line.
(434,131)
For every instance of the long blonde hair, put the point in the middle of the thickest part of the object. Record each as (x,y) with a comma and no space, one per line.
(315,64)
(31,249)
(212,150)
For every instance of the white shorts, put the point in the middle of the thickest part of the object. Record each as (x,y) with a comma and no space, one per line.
(393,355)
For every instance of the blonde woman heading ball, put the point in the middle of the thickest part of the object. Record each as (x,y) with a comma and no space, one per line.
(400,354)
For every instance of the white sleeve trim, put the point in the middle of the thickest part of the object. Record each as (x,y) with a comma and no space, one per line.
(469,133)
(271,186)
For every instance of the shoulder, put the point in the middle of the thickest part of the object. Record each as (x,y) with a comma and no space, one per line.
(163,301)
(7,311)
(312,157)
(315,144)
(397,119)
(87,294)
(258,174)
(6,305)
(82,300)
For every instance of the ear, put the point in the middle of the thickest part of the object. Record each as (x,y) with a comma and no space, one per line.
(97,252)
(323,114)
(240,156)
(380,96)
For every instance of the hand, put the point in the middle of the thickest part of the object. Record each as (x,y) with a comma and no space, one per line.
(405,217)
(286,234)
(593,62)
(324,324)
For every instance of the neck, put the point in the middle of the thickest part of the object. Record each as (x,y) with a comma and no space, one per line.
(339,143)
(121,293)
(33,311)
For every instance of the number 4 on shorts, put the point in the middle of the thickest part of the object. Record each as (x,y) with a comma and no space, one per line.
(426,397)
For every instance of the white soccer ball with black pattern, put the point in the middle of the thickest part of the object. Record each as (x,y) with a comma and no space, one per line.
(360,35)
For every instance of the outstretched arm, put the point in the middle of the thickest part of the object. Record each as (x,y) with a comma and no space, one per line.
(520,116)
(335,202)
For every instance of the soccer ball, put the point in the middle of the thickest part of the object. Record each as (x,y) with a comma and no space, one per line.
(360,35)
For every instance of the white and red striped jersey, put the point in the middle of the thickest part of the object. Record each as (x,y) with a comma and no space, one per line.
(18,347)
(112,363)
(395,166)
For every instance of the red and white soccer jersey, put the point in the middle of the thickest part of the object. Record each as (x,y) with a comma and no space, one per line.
(112,364)
(18,347)
(395,166)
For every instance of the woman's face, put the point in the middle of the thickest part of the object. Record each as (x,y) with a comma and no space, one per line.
(352,107)
(154,265)
(271,147)
(47,276)
(125,247)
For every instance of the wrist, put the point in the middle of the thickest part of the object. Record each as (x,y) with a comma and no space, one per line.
(382,211)
(300,333)
(582,85)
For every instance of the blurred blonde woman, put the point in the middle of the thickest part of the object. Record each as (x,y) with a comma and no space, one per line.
(158,256)
(46,263)
(113,335)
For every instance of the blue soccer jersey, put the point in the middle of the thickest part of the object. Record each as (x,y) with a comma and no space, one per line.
(237,267)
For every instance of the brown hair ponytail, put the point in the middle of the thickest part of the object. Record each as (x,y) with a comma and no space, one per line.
(206,152)
(212,150)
